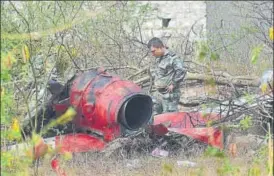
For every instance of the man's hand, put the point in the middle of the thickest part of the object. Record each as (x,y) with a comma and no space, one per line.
(170,88)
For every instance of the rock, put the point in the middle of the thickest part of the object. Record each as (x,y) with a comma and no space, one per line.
(186,163)
(159,153)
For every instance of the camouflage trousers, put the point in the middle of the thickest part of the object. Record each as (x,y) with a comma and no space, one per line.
(166,102)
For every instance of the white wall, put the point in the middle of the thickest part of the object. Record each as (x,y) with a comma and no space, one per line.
(183,15)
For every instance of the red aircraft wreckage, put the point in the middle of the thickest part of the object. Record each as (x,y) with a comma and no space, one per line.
(108,107)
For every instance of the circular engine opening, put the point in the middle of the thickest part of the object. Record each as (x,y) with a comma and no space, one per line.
(136,111)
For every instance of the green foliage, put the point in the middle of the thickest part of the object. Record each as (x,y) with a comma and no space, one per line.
(248,98)
(246,28)
(261,156)
(200,172)
(203,50)
(12,164)
(254,171)
(167,169)
(6,93)
(246,123)
(204,53)
(62,64)
(210,81)
(204,109)
(6,106)
(63,119)
(256,53)
(19,163)
(214,152)
(228,169)
(214,56)
(5,76)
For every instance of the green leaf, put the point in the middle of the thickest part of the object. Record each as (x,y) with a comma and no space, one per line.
(264,87)
(214,56)
(228,169)
(248,98)
(254,171)
(246,122)
(256,53)
(204,47)
(5,173)
(210,81)
(202,55)
(168,168)
(5,75)
(211,151)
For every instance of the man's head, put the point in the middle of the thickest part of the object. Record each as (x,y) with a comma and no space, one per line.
(156,47)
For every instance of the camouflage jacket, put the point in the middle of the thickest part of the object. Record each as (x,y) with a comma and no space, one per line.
(168,70)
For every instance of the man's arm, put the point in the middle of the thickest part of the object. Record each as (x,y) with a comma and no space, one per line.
(151,71)
(179,70)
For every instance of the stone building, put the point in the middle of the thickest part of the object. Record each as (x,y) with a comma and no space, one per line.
(171,20)
(225,23)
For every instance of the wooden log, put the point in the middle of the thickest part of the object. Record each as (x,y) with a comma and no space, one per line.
(139,72)
(218,79)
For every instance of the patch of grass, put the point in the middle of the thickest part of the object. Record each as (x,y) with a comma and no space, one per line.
(210,165)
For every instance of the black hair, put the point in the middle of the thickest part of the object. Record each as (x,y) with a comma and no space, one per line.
(155,42)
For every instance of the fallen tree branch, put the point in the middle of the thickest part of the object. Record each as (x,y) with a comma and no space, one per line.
(191,102)
(237,81)
(112,68)
(138,73)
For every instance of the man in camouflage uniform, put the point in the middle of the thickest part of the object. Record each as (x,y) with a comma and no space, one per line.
(168,75)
